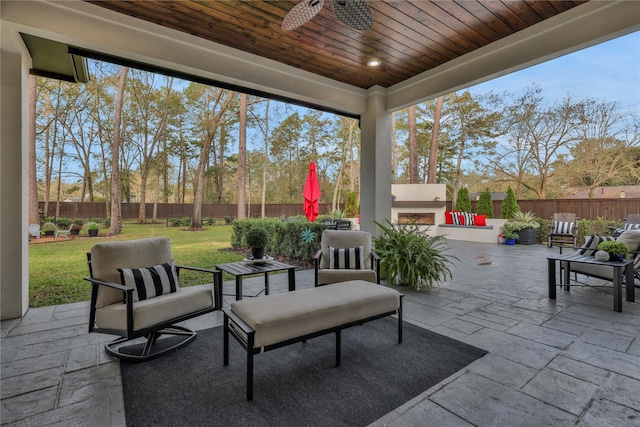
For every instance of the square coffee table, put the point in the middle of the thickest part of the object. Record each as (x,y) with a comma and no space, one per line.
(242,268)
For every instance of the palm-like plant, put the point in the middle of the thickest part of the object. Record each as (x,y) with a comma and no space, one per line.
(412,257)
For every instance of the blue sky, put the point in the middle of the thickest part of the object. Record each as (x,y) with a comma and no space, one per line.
(609,71)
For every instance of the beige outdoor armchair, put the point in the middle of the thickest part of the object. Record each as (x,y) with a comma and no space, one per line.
(135,293)
(346,255)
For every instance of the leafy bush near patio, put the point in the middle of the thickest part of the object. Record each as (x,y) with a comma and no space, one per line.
(297,241)
(509,205)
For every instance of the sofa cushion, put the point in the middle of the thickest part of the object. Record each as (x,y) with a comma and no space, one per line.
(631,226)
(345,239)
(279,317)
(346,258)
(327,276)
(152,311)
(150,282)
(631,238)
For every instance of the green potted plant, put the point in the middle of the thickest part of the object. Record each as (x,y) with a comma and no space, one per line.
(48,228)
(257,239)
(510,236)
(92,229)
(617,250)
(411,257)
(526,224)
(77,226)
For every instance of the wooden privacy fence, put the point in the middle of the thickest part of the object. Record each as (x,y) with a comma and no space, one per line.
(609,209)
(173,210)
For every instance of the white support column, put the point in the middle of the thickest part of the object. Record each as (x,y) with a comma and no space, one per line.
(14,245)
(375,162)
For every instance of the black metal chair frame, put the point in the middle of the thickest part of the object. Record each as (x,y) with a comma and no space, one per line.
(153,333)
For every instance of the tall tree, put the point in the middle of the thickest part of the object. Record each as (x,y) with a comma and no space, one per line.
(242,155)
(116,218)
(413,146)
(435,136)
(34,215)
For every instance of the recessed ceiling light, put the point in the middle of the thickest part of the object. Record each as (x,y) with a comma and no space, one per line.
(374,62)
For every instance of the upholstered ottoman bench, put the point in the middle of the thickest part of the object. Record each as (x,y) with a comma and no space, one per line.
(273,321)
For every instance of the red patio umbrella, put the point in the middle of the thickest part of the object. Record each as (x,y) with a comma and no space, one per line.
(311,194)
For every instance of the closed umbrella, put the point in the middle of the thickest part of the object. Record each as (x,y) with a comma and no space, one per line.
(311,194)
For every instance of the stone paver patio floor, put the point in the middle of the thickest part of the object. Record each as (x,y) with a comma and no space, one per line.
(572,361)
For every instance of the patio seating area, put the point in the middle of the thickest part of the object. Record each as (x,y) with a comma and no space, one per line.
(569,361)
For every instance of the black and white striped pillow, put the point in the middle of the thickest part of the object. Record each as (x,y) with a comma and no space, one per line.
(562,227)
(152,281)
(630,226)
(457,218)
(591,245)
(467,217)
(347,258)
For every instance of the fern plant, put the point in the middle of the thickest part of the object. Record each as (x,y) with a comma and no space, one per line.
(412,257)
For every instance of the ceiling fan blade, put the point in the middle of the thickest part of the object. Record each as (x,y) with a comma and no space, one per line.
(353,13)
(301,14)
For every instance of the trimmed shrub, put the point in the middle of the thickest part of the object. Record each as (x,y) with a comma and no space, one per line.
(463,201)
(485,204)
(509,205)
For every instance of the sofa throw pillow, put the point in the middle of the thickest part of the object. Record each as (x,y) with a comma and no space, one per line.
(346,258)
(150,282)
(631,226)
(467,218)
(591,244)
(448,217)
(632,239)
(562,227)
(480,220)
(458,219)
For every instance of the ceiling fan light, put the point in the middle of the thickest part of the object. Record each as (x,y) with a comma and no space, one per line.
(301,13)
(353,13)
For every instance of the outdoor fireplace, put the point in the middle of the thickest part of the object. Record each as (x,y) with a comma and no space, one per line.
(423,203)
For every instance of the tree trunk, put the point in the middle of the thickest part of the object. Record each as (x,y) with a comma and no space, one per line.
(242,156)
(34,215)
(435,135)
(116,219)
(394,149)
(413,146)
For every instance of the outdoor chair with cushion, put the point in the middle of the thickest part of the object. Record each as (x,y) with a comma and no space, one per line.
(135,294)
(346,255)
(34,230)
(631,222)
(630,237)
(63,233)
(563,229)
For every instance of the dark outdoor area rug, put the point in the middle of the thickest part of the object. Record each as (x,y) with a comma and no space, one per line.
(296,385)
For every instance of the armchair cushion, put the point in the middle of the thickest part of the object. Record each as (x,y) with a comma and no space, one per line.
(631,238)
(106,258)
(347,258)
(153,311)
(562,227)
(344,239)
(150,282)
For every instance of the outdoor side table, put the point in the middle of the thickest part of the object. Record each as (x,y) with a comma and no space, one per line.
(618,267)
(241,269)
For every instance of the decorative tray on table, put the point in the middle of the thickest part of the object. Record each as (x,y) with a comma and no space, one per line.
(252,260)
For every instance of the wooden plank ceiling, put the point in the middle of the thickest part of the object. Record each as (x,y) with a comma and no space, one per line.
(409,37)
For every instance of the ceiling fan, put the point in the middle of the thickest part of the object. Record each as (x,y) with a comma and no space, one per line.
(353,13)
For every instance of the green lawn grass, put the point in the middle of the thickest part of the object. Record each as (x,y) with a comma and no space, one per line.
(56,269)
